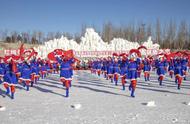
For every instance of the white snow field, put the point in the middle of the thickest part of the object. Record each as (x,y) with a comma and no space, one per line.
(95,100)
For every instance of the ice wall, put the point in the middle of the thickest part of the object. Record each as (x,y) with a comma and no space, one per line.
(91,41)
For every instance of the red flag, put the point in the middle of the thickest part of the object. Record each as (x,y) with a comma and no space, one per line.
(142,47)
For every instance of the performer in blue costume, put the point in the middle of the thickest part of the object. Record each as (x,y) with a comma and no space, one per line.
(124,70)
(132,74)
(9,80)
(161,70)
(171,68)
(2,70)
(110,69)
(26,74)
(184,63)
(178,72)
(35,71)
(65,73)
(146,69)
(116,70)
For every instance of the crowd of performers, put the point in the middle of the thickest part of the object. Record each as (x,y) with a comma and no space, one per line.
(16,71)
(130,66)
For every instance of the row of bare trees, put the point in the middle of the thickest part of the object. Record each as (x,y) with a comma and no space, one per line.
(169,35)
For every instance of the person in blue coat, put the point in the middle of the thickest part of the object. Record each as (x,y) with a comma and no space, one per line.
(65,73)
(146,69)
(26,74)
(116,71)
(184,63)
(9,80)
(161,70)
(35,72)
(43,69)
(98,67)
(124,71)
(2,70)
(104,67)
(110,69)
(171,68)
(178,72)
(132,75)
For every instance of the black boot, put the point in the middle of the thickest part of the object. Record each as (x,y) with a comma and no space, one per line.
(133,93)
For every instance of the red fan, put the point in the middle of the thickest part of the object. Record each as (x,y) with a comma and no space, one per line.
(6,58)
(59,51)
(115,54)
(51,56)
(15,57)
(135,51)
(122,54)
(35,53)
(142,47)
(69,54)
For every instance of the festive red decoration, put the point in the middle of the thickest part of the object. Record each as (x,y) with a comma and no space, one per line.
(51,56)
(142,47)
(135,51)
(69,54)
(115,54)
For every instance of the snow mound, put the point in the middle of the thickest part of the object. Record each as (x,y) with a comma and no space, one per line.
(76,106)
(91,41)
(174,120)
(187,103)
(2,108)
(151,104)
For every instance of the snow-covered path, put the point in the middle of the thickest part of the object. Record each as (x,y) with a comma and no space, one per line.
(102,102)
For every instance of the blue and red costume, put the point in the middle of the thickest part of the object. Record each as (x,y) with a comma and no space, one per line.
(124,71)
(2,71)
(146,69)
(132,75)
(65,73)
(160,71)
(98,67)
(171,68)
(43,69)
(116,71)
(35,72)
(10,80)
(184,63)
(178,72)
(110,70)
(26,75)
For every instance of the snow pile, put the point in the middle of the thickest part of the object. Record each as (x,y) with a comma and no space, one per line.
(151,104)
(149,44)
(76,106)
(91,41)
(119,44)
(187,103)
(2,108)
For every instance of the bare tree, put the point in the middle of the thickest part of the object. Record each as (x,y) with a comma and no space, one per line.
(182,35)
(158,32)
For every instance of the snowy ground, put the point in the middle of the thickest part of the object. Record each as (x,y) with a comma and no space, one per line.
(102,102)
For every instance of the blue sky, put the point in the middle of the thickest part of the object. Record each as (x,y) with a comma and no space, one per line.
(69,15)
